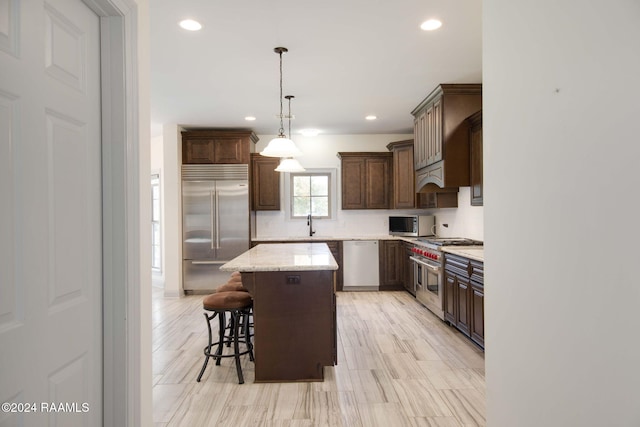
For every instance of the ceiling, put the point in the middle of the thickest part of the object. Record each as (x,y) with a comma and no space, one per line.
(346,60)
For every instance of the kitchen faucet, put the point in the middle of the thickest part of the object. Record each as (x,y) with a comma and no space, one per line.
(310,224)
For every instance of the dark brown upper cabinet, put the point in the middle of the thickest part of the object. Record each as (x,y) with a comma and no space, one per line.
(404,177)
(366,180)
(441,136)
(265,183)
(217,146)
(475,144)
(433,200)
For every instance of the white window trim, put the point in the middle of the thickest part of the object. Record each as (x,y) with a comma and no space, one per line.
(333,195)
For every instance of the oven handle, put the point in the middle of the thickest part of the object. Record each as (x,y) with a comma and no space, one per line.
(431,267)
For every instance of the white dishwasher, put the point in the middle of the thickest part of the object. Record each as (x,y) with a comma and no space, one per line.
(360,264)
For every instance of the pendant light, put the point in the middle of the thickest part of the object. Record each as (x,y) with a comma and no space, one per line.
(281,146)
(289,164)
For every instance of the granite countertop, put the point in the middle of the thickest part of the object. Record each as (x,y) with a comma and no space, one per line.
(471,252)
(284,257)
(325,238)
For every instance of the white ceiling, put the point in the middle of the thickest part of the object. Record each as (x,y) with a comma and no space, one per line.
(347,59)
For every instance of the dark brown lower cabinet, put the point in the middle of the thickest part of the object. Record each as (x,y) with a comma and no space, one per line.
(477,313)
(391,257)
(462,304)
(464,296)
(407,268)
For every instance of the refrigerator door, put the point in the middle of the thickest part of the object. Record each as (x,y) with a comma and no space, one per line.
(202,276)
(215,218)
(198,221)
(231,219)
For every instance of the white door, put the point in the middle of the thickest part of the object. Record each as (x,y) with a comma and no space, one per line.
(50,214)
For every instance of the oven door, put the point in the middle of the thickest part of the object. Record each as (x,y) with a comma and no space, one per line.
(428,284)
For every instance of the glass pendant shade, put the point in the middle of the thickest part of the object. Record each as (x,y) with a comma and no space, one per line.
(281,147)
(289,165)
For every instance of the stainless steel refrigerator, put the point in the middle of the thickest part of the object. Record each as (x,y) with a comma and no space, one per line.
(215,222)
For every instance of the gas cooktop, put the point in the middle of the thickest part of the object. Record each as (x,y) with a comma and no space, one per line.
(450,241)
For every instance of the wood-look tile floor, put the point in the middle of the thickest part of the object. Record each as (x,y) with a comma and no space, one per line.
(398,365)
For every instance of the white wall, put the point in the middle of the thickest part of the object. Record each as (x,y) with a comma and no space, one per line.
(157,157)
(561,129)
(171,210)
(142,368)
(321,152)
(463,221)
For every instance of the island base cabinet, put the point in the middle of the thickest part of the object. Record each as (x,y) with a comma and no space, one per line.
(294,324)
(335,246)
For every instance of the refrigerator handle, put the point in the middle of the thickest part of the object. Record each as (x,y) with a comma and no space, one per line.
(217,211)
(212,203)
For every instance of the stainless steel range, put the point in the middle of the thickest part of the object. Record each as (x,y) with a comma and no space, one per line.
(428,269)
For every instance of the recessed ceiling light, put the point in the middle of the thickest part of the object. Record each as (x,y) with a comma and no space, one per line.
(371,117)
(431,24)
(249,118)
(190,24)
(310,132)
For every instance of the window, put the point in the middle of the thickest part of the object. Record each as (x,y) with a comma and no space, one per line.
(311,194)
(156,255)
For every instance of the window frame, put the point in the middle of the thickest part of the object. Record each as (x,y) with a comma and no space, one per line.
(332,196)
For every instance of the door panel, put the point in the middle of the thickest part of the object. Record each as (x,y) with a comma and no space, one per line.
(232,228)
(51,287)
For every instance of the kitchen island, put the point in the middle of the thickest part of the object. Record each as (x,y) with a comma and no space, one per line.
(294,309)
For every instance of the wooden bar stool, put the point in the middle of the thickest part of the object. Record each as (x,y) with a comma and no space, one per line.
(238,305)
(235,284)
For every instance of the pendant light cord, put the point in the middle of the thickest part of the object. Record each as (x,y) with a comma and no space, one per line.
(289,97)
(289,116)
(281,123)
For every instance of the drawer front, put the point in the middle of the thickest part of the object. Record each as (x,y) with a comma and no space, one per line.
(465,267)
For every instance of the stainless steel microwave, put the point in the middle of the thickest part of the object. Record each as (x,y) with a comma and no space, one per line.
(412,225)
